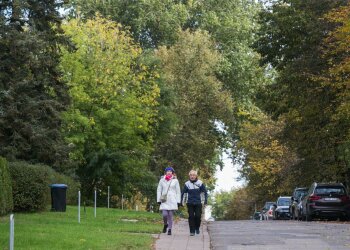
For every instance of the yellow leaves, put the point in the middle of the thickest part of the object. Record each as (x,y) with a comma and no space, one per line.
(267,158)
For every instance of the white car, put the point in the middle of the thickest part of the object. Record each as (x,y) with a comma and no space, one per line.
(281,211)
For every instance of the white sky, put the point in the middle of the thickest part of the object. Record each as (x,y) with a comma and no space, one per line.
(226,179)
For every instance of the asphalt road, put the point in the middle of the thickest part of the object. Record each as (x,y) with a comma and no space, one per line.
(283,235)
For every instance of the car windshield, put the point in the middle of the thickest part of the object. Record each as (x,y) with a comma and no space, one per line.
(283,202)
(268,205)
(330,190)
(299,193)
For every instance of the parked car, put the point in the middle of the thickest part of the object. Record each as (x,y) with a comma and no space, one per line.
(325,200)
(281,210)
(294,208)
(257,216)
(265,209)
(299,210)
(269,213)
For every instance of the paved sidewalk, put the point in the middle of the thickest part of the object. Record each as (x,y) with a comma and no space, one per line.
(181,239)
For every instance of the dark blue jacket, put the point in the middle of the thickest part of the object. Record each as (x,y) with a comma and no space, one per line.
(194,193)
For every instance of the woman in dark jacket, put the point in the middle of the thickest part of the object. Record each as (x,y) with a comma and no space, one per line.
(194,195)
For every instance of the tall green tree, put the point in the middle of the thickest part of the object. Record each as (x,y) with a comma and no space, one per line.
(291,40)
(230,24)
(221,203)
(152,22)
(336,79)
(200,103)
(269,164)
(32,94)
(114,97)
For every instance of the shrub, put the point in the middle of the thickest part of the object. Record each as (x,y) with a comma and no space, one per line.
(6,201)
(30,184)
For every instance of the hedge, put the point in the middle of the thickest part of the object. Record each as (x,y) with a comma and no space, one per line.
(6,201)
(30,185)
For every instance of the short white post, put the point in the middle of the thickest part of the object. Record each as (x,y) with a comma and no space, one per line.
(12,232)
(95,203)
(122,202)
(108,197)
(79,198)
(137,208)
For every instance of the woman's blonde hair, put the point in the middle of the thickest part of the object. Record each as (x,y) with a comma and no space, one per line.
(193,172)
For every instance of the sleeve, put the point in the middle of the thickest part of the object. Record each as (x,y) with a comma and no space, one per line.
(159,191)
(184,190)
(204,190)
(178,192)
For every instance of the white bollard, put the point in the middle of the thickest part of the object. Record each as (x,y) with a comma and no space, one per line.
(95,203)
(137,208)
(108,197)
(12,232)
(79,196)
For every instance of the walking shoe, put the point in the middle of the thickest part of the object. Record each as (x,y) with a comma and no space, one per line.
(169,232)
(192,233)
(197,231)
(164,228)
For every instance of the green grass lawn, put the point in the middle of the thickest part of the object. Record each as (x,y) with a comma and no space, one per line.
(54,230)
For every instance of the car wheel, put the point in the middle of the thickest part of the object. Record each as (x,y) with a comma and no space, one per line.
(308,216)
(302,216)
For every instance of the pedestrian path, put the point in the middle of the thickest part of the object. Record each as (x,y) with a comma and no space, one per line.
(181,239)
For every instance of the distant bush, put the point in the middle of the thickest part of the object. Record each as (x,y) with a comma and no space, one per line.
(6,201)
(30,185)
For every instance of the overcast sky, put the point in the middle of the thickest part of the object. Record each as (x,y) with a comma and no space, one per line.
(226,179)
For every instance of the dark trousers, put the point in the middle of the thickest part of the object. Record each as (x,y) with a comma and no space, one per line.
(194,216)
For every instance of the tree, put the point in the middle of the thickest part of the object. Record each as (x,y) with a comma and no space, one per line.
(291,40)
(269,164)
(32,94)
(114,99)
(229,23)
(152,23)
(222,201)
(336,79)
(200,104)
(241,206)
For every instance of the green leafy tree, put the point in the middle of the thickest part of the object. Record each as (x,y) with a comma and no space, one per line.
(152,22)
(291,40)
(114,99)
(241,206)
(336,80)
(268,167)
(32,94)
(222,201)
(229,23)
(199,101)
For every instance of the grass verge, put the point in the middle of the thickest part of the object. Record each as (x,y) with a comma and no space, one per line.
(111,229)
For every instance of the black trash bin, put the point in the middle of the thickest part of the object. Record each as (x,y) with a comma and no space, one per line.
(58,197)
